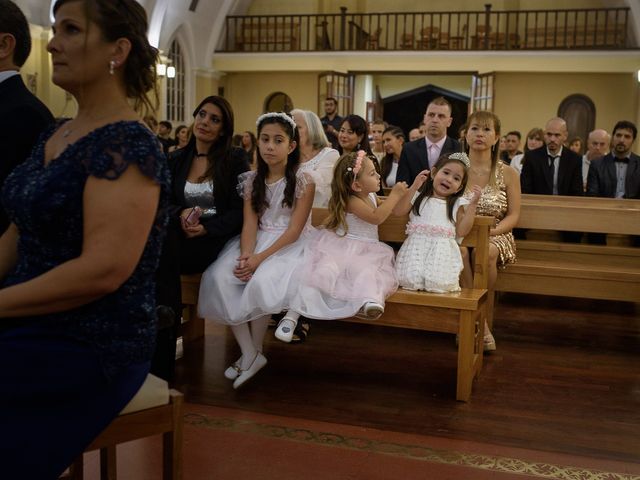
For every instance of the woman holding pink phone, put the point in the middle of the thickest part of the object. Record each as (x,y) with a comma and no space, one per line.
(206,212)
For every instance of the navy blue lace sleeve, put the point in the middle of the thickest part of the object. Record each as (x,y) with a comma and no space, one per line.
(128,145)
(45,202)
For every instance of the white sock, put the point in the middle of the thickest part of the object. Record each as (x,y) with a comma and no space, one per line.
(291,315)
(245,341)
(258,330)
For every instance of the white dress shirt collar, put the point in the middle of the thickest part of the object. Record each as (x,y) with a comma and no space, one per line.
(8,74)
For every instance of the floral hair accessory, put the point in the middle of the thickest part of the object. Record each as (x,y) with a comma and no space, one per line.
(357,165)
(280,115)
(462,157)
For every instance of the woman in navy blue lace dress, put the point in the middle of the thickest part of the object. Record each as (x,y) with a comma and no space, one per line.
(77,320)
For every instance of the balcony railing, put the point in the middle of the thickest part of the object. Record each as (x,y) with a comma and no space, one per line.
(589,28)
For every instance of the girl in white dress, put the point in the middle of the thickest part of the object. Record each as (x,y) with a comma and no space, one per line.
(253,276)
(347,271)
(430,257)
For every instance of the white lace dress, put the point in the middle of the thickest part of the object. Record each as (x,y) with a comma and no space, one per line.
(226,299)
(430,258)
(320,168)
(342,272)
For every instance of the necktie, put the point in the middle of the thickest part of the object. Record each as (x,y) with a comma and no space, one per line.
(621,160)
(433,154)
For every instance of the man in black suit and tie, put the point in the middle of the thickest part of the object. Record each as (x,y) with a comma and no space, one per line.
(553,169)
(424,152)
(617,174)
(22,115)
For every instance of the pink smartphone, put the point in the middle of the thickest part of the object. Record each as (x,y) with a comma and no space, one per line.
(193,216)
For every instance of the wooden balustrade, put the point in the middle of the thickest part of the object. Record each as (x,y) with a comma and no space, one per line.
(595,28)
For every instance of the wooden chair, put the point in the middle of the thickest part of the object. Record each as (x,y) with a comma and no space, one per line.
(154,410)
(478,40)
(429,38)
(373,43)
(406,41)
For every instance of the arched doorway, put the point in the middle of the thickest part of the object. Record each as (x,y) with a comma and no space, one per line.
(407,109)
(579,112)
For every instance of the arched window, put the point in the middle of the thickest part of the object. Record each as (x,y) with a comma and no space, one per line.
(176,85)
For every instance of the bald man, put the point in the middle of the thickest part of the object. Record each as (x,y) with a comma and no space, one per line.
(552,169)
(598,143)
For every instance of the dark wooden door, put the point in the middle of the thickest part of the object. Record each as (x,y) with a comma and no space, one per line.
(580,114)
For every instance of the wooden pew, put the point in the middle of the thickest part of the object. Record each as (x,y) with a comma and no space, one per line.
(609,272)
(462,313)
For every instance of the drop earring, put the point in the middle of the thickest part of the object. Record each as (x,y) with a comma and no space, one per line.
(112,66)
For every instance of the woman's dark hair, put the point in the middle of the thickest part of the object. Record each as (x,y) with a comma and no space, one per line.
(426,190)
(360,128)
(536,133)
(259,192)
(254,142)
(177,131)
(236,141)
(387,160)
(127,19)
(219,161)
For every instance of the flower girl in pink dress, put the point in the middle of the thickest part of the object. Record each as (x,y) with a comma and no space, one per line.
(347,271)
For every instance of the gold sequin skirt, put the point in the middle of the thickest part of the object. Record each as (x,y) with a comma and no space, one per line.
(506,245)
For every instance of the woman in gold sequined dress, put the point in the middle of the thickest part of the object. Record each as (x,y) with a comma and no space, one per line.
(500,198)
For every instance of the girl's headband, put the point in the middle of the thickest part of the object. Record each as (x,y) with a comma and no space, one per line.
(462,157)
(357,164)
(280,115)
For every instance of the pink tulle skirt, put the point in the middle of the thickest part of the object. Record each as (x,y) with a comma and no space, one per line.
(340,274)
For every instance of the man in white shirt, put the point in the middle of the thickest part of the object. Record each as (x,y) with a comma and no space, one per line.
(598,143)
(424,152)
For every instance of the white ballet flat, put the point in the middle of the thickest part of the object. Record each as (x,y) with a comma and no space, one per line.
(258,362)
(370,311)
(233,371)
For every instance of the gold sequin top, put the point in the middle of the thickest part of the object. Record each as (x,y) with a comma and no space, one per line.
(494,202)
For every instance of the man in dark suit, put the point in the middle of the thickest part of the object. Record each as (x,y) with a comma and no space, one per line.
(552,169)
(22,115)
(424,152)
(617,174)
